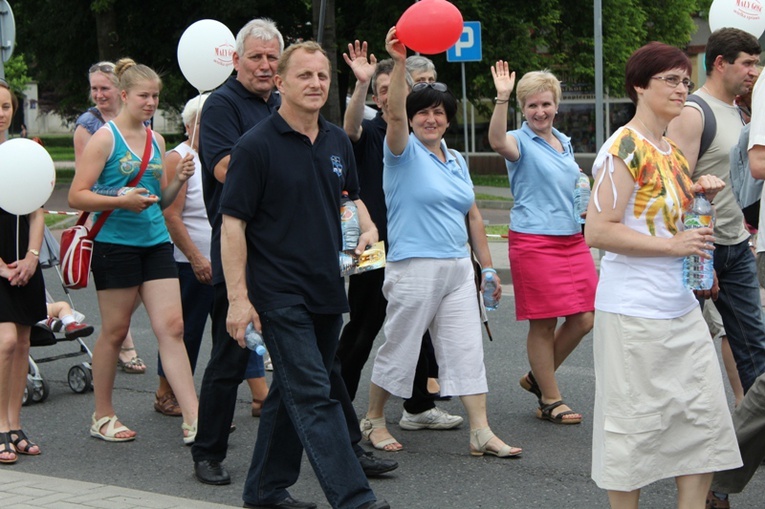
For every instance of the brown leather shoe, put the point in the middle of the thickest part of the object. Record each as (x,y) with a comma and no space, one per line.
(167,404)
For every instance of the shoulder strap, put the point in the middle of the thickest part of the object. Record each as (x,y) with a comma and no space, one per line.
(710,123)
(105,215)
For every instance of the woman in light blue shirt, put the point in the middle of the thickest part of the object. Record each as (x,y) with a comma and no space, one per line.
(429,279)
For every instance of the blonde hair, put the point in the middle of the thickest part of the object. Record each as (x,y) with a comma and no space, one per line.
(130,73)
(308,46)
(106,68)
(536,82)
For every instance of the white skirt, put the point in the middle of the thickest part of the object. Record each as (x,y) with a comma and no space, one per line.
(660,408)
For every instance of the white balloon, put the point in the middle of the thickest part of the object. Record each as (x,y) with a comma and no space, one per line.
(27,176)
(745,15)
(206,54)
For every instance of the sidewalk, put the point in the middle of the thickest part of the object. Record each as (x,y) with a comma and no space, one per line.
(24,491)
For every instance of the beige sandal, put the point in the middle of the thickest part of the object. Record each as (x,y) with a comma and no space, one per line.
(111,431)
(479,439)
(367,426)
(191,433)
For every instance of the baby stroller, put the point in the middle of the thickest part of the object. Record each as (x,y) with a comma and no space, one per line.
(80,376)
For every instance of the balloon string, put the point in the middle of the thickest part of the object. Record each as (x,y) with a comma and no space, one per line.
(18,256)
(196,121)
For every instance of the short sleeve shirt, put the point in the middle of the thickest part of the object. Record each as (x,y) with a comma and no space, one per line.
(542,181)
(227,114)
(287,190)
(368,150)
(645,286)
(427,202)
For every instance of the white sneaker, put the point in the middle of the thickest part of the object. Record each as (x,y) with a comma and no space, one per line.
(435,418)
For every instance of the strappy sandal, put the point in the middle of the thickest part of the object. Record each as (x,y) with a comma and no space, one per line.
(544,412)
(134,366)
(529,383)
(479,439)
(257,407)
(7,447)
(191,433)
(111,432)
(367,426)
(22,437)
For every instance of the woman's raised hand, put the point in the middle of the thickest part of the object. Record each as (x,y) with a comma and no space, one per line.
(394,47)
(504,80)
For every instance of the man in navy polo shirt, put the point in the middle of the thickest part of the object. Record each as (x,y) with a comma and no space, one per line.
(280,240)
(242,102)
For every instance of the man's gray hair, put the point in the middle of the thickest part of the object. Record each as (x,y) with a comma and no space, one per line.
(422,64)
(260,28)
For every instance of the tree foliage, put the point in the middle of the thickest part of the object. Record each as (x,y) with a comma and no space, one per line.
(62,39)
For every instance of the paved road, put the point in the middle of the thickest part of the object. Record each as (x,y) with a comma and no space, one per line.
(436,469)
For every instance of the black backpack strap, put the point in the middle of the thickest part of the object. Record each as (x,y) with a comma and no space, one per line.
(710,124)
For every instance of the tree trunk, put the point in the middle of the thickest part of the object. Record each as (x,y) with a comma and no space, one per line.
(331,110)
(109,44)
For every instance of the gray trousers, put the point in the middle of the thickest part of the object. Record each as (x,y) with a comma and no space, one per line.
(749,422)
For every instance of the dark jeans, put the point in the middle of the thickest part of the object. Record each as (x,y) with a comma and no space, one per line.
(223,375)
(368,305)
(741,309)
(197,302)
(301,414)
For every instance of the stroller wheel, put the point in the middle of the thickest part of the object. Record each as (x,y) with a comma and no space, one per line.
(40,390)
(79,378)
(28,391)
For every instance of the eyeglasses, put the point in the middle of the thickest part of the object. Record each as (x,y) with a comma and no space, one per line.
(440,87)
(674,81)
(107,68)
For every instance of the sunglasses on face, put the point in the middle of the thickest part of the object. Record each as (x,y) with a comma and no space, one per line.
(105,68)
(440,87)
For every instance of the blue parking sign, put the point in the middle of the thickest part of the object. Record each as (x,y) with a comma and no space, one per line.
(468,47)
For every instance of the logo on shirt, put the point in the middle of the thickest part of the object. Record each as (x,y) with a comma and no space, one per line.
(337,165)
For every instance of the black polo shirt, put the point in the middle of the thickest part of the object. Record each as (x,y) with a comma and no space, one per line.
(226,115)
(288,191)
(368,151)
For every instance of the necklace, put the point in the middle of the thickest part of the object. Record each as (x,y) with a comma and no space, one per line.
(658,139)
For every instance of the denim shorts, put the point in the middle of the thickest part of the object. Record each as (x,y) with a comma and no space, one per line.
(120,266)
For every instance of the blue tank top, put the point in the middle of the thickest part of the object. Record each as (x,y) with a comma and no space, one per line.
(123,226)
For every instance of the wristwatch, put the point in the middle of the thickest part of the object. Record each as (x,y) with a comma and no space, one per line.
(35,252)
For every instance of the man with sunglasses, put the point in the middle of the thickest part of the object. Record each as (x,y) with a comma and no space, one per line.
(365,298)
(731,61)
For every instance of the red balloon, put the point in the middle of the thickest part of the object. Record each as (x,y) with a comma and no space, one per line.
(430,26)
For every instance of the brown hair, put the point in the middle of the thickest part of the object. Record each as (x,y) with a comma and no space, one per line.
(649,60)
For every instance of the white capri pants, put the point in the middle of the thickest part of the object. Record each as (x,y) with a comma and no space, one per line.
(439,295)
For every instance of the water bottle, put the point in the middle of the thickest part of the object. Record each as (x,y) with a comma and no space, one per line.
(349,221)
(254,340)
(698,272)
(581,196)
(489,285)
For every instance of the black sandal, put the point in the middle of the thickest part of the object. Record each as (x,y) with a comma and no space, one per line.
(529,383)
(20,435)
(7,447)
(545,412)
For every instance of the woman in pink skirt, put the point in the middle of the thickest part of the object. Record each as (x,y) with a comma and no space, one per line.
(553,272)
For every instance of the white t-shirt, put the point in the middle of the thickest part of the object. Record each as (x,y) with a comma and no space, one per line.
(645,286)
